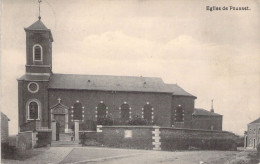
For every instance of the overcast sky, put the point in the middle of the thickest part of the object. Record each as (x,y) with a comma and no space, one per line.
(212,55)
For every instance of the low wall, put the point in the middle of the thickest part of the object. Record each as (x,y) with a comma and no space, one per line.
(25,140)
(183,139)
(29,139)
(43,138)
(137,137)
(160,138)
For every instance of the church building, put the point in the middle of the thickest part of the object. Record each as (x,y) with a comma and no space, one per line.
(44,96)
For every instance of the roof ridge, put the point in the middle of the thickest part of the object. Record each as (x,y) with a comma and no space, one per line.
(106,75)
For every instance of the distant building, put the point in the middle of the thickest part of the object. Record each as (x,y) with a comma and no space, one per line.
(4,128)
(208,120)
(252,136)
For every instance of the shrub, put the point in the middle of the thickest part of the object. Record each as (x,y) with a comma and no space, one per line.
(258,148)
(137,120)
(105,121)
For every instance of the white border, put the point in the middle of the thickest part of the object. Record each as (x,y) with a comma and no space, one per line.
(28,87)
(39,108)
(34,54)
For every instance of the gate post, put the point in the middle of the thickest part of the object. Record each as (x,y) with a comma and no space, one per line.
(53,129)
(156,137)
(76,129)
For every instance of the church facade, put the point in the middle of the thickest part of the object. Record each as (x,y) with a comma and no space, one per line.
(44,96)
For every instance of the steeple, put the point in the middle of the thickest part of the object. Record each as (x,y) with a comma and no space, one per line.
(212,109)
(38,47)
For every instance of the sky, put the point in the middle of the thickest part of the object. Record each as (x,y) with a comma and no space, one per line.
(211,54)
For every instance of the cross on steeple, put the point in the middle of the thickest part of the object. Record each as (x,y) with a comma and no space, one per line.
(39,1)
(59,99)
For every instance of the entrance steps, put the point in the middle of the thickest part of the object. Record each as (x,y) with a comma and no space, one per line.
(65,141)
(65,137)
(65,144)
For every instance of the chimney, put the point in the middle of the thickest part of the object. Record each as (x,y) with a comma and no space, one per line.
(212,109)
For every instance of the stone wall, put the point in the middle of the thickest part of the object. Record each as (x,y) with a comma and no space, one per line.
(25,140)
(160,138)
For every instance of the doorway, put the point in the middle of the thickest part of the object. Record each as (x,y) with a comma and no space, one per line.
(60,120)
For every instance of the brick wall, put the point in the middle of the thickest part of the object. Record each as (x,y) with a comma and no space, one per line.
(137,137)
(159,138)
(187,104)
(161,102)
(4,128)
(207,122)
(24,96)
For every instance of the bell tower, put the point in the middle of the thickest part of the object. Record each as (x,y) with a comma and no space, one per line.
(38,48)
(33,85)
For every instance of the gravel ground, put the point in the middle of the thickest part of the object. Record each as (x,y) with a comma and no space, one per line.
(130,156)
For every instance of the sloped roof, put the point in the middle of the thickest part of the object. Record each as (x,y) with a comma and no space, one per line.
(3,115)
(108,83)
(38,25)
(256,121)
(204,112)
(28,77)
(178,91)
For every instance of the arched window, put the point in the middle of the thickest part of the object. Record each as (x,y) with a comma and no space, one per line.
(179,114)
(148,112)
(77,111)
(33,109)
(101,111)
(37,53)
(125,109)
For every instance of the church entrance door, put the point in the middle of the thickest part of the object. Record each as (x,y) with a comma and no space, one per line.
(60,119)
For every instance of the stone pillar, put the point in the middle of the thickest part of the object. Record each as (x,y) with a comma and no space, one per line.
(156,137)
(99,128)
(66,122)
(53,128)
(76,129)
(245,141)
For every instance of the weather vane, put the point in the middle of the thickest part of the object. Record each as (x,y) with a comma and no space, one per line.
(39,1)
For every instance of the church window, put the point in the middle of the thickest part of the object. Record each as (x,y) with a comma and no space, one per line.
(125,112)
(33,110)
(77,111)
(179,114)
(148,112)
(101,111)
(37,53)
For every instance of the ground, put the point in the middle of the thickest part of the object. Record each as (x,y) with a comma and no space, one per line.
(113,156)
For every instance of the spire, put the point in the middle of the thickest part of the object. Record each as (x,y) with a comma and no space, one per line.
(212,109)
(39,1)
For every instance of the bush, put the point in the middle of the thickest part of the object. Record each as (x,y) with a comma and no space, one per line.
(137,120)
(7,151)
(258,148)
(105,121)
